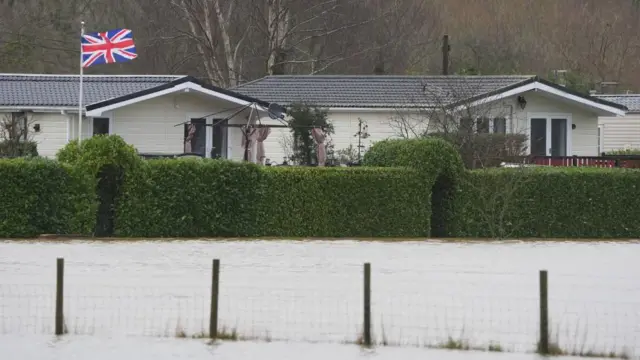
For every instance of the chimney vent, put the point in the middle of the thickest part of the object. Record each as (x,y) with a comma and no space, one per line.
(609,87)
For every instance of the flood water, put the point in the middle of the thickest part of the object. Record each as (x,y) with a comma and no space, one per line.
(423,294)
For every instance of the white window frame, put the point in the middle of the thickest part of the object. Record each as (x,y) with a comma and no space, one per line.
(107,115)
(548,117)
(474,127)
(600,135)
(209,133)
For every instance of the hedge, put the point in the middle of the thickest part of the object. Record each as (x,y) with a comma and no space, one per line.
(545,202)
(41,196)
(189,198)
(440,166)
(342,202)
(218,198)
(106,159)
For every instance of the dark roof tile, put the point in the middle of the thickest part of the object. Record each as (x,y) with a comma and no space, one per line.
(374,90)
(23,90)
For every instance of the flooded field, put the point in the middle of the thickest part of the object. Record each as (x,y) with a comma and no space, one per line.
(424,294)
(94,348)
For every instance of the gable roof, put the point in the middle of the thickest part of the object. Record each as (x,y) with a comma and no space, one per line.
(538,84)
(374,91)
(43,90)
(185,83)
(631,101)
(390,91)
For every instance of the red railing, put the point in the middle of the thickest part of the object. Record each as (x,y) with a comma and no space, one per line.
(623,161)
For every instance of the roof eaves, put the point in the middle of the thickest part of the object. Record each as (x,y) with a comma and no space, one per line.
(498,91)
(579,94)
(169,85)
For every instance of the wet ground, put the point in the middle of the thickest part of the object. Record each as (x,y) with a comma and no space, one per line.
(424,294)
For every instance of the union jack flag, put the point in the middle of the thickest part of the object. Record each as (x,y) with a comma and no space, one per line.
(108,47)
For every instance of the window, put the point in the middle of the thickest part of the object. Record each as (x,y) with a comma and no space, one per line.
(499,125)
(484,125)
(100,126)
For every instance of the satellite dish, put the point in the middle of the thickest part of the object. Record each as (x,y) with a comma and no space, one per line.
(276,111)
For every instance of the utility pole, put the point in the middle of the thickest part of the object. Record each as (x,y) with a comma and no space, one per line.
(445,54)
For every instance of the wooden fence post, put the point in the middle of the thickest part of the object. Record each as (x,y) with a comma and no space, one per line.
(543,347)
(366,334)
(215,287)
(59,325)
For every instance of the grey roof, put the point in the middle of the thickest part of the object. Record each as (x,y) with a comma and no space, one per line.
(24,90)
(631,101)
(374,90)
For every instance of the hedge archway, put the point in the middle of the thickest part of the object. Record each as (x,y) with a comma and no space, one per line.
(440,164)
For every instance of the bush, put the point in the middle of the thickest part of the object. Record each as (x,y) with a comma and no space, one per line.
(18,148)
(43,196)
(99,151)
(106,158)
(623,152)
(440,167)
(549,203)
(485,150)
(342,202)
(189,198)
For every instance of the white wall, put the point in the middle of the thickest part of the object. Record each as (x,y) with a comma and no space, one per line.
(53,132)
(381,125)
(150,125)
(345,124)
(584,137)
(620,132)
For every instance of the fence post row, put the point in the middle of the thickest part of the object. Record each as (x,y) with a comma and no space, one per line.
(215,287)
(543,347)
(366,333)
(543,344)
(59,318)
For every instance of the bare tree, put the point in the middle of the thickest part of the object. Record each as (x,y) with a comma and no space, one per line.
(15,137)
(306,35)
(484,133)
(211,28)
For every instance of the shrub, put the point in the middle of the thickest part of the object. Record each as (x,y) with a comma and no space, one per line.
(106,158)
(623,152)
(43,196)
(485,150)
(549,203)
(440,167)
(18,148)
(95,153)
(342,202)
(189,198)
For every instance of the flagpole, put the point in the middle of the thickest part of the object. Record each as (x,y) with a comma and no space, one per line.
(80,92)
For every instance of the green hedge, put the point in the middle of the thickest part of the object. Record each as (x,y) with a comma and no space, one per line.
(549,203)
(105,158)
(440,167)
(43,196)
(195,197)
(189,198)
(342,202)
